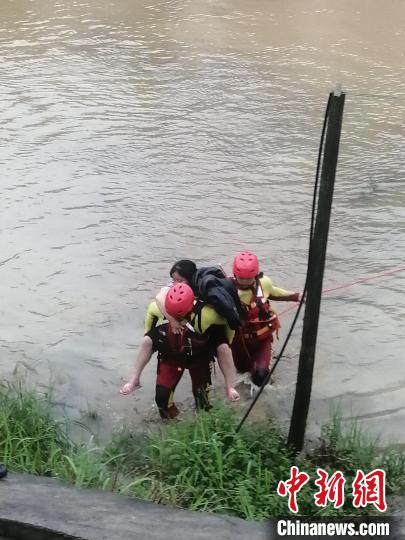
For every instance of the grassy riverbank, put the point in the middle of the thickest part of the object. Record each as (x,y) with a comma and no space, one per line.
(199,463)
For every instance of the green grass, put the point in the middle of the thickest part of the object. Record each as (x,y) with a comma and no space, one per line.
(30,439)
(198,463)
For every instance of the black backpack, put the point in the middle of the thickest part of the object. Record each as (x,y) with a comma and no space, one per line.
(211,286)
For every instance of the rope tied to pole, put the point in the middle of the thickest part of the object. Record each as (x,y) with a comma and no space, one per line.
(313,211)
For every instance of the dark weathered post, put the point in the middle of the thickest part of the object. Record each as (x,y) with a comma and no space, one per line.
(316,265)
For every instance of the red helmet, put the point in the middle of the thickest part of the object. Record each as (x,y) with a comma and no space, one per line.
(179,300)
(245,265)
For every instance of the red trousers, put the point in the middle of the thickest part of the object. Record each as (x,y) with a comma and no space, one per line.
(169,374)
(252,356)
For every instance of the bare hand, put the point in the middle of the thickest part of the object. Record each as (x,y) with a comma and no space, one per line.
(232,394)
(129,387)
(176,326)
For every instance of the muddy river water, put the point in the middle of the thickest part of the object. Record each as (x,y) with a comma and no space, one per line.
(137,132)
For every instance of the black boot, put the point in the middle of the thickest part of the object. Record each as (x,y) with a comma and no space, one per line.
(259,376)
(3,471)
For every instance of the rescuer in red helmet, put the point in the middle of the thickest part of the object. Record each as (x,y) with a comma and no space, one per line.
(205,334)
(252,345)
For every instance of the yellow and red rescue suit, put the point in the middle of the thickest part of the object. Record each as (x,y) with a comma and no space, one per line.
(194,349)
(200,319)
(252,346)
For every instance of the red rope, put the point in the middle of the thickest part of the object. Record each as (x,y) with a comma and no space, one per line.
(365,279)
(345,285)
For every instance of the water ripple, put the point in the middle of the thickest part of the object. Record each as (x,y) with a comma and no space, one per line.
(139,135)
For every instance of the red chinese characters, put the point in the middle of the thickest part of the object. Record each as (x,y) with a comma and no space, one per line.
(330,489)
(367,489)
(370,489)
(292,486)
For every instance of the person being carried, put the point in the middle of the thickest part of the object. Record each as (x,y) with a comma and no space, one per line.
(204,336)
(210,286)
(181,272)
(252,345)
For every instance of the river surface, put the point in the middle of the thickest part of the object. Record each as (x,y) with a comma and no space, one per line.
(138,132)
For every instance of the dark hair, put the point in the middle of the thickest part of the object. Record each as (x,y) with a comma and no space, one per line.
(185,268)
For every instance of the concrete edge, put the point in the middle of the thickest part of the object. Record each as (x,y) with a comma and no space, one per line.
(38,508)
(16,530)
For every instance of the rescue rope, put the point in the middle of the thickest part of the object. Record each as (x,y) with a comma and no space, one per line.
(356,282)
(313,210)
(365,279)
(302,300)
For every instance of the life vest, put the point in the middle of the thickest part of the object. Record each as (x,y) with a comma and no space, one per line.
(185,347)
(260,321)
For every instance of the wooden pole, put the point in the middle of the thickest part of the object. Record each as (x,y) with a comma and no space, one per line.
(316,266)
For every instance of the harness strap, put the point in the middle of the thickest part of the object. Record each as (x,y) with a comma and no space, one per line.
(198,314)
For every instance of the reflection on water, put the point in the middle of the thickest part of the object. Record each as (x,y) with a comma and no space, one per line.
(140,132)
